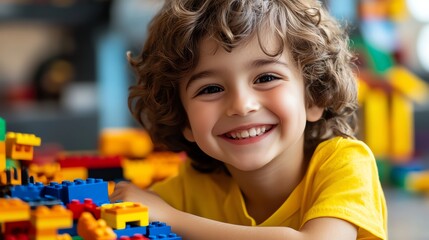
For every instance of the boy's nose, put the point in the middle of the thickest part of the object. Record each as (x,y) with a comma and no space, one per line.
(241,104)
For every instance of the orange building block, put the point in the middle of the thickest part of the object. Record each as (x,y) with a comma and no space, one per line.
(72,173)
(13,209)
(2,155)
(90,229)
(11,176)
(19,146)
(54,218)
(118,215)
(46,173)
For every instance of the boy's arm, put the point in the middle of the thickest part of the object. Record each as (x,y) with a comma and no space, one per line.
(194,227)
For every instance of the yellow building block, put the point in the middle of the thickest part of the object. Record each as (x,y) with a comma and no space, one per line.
(54,218)
(72,173)
(90,229)
(118,215)
(139,172)
(402,131)
(408,84)
(127,142)
(418,181)
(2,156)
(19,146)
(376,122)
(13,209)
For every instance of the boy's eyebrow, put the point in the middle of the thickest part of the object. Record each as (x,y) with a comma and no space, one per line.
(253,64)
(202,74)
(263,62)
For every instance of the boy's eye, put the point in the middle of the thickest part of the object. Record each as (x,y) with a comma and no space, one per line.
(266,78)
(210,90)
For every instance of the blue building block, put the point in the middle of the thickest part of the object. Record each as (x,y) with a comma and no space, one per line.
(170,236)
(130,230)
(47,201)
(27,192)
(157,228)
(79,189)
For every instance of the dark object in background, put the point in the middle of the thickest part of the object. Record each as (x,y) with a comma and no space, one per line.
(51,77)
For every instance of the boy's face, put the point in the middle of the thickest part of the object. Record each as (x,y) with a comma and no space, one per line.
(245,108)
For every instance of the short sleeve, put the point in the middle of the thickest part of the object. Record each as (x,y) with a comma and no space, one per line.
(346,186)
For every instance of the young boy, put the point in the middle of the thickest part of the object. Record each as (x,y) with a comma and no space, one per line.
(262,97)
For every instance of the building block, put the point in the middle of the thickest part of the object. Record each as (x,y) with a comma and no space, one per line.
(130,230)
(47,201)
(417,181)
(10,177)
(2,129)
(90,229)
(19,236)
(19,146)
(402,128)
(127,142)
(79,189)
(134,237)
(170,236)
(87,206)
(18,227)
(13,209)
(89,161)
(156,166)
(30,191)
(46,173)
(408,84)
(156,228)
(118,215)
(71,173)
(2,155)
(376,129)
(139,172)
(51,218)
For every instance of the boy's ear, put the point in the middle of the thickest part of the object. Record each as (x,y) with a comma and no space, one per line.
(187,133)
(314,113)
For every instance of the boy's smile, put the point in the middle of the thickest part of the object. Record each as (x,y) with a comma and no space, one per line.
(247,135)
(246,108)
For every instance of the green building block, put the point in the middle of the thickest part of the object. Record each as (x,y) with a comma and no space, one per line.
(2,129)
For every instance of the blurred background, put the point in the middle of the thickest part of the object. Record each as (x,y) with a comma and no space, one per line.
(64,77)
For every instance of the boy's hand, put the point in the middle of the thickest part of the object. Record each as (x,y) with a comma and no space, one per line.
(159,210)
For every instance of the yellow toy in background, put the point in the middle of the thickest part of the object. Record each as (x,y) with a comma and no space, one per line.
(388,112)
(126,142)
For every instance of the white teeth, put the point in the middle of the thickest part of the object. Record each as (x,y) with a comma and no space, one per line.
(245,134)
(253,132)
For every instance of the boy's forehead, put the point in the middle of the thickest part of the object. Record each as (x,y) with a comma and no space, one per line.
(266,39)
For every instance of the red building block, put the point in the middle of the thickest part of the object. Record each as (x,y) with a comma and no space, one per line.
(89,161)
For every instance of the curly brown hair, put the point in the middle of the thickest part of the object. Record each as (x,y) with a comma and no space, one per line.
(318,45)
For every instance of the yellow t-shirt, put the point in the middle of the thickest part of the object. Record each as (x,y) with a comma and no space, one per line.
(341,181)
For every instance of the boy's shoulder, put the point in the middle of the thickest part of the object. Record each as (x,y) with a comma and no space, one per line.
(342,143)
(342,149)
